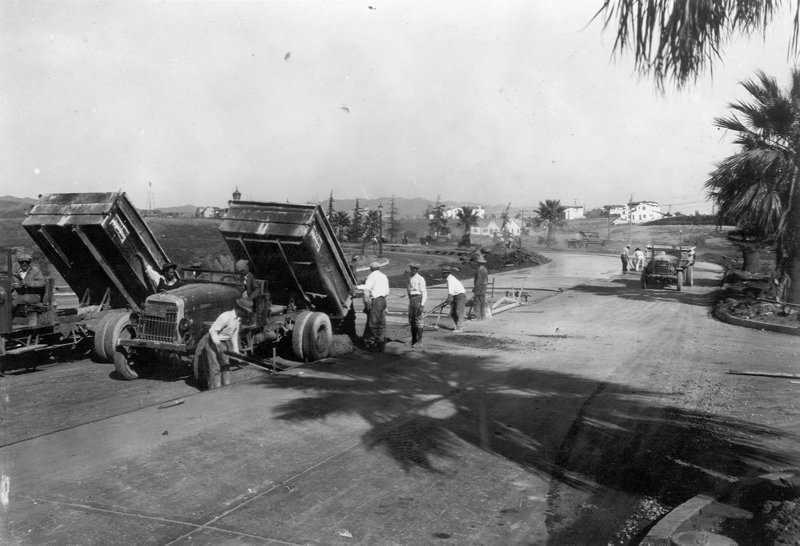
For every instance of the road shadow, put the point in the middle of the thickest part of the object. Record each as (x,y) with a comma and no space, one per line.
(424,409)
(631,289)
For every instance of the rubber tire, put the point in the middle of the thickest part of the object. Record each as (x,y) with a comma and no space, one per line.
(298,333)
(318,337)
(122,358)
(679,281)
(99,349)
(116,324)
(690,276)
(644,280)
(205,366)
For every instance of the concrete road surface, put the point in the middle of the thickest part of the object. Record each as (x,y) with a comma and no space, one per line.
(549,423)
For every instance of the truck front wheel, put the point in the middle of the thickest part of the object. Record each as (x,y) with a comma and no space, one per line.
(207,373)
(124,357)
(690,276)
(318,336)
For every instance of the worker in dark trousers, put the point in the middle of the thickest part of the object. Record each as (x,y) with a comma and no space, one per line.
(417,296)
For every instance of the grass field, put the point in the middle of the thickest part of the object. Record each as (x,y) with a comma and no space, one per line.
(197,239)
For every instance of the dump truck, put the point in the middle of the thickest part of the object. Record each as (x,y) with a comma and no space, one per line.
(101,247)
(307,293)
(668,265)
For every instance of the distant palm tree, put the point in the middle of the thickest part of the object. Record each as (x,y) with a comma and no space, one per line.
(756,188)
(467,217)
(550,219)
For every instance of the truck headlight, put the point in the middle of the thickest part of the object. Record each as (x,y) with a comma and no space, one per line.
(184,325)
(134,317)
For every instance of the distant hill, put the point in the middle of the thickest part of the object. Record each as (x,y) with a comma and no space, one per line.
(15,207)
(182,210)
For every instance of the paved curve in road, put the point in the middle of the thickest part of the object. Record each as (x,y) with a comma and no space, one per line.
(551,423)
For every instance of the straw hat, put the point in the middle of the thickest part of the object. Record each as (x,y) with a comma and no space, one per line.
(245,303)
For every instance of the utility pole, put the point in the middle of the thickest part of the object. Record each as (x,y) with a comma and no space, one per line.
(630,219)
(380,229)
(150,197)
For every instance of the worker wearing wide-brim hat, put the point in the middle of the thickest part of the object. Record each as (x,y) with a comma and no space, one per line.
(479,287)
(376,290)
(417,297)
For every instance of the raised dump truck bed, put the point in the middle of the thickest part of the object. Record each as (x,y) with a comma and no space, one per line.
(294,248)
(99,243)
(305,295)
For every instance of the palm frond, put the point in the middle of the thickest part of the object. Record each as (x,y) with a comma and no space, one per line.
(678,39)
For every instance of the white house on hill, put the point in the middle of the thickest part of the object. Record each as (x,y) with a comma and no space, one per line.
(573,212)
(453,213)
(492,228)
(636,212)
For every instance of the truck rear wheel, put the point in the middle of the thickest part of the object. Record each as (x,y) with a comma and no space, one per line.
(124,357)
(318,337)
(690,276)
(207,372)
(299,334)
(679,281)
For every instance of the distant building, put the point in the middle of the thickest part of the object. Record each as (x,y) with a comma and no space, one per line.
(573,212)
(209,212)
(485,227)
(452,214)
(492,228)
(636,212)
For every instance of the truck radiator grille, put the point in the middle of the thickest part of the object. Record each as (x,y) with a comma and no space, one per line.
(663,268)
(159,322)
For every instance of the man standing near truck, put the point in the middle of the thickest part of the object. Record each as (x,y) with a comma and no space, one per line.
(417,296)
(479,287)
(28,287)
(376,290)
(457,298)
(625,256)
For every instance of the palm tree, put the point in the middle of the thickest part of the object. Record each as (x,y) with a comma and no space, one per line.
(371,228)
(467,217)
(679,39)
(756,188)
(550,218)
(340,222)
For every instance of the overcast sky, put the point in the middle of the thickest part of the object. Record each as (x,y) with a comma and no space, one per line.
(488,102)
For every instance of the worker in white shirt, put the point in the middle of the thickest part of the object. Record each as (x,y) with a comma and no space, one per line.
(224,336)
(417,296)
(457,298)
(376,290)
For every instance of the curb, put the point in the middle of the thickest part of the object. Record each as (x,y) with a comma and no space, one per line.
(697,513)
(725,316)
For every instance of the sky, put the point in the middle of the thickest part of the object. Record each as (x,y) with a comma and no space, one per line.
(180,102)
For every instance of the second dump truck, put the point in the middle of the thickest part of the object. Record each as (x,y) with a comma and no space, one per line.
(101,246)
(307,282)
